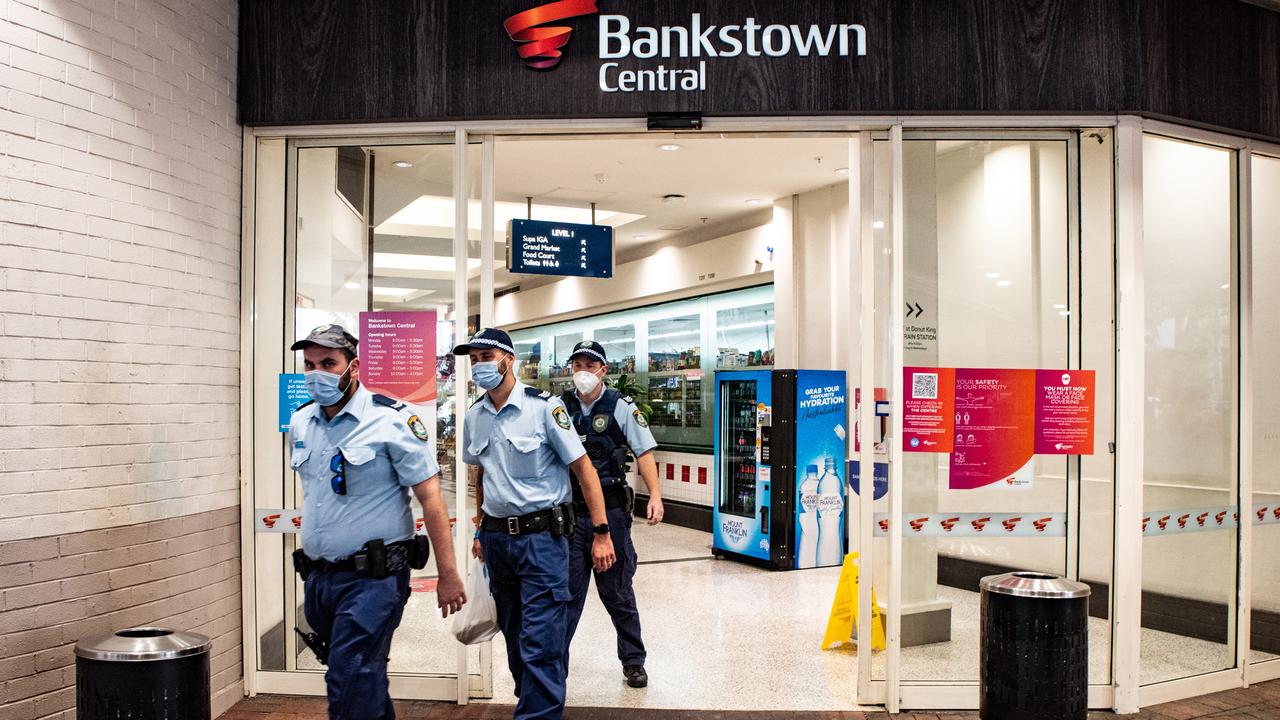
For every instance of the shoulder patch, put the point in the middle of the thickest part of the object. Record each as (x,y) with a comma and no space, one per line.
(418,429)
(561,416)
(640,418)
(387,402)
(535,392)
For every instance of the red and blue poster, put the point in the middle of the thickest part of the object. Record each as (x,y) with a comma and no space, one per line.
(994,427)
(1064,412)
(927,423)
(398,354)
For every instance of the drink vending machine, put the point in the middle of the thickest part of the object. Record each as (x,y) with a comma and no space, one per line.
(780,449)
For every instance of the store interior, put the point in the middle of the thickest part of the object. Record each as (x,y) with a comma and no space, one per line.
(730,253)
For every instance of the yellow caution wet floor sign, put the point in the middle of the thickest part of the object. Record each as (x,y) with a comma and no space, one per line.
(844,610)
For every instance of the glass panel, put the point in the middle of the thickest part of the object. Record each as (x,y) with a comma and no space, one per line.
(988,277)
(745,337)
(1266,406)
(560,370)
(619,345)
(1189,576)
(737,474)
(375,233)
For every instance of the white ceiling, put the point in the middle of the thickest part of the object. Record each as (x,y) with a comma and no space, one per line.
(717,174)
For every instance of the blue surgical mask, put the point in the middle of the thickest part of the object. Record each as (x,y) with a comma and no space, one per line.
(325,387)
(486,375)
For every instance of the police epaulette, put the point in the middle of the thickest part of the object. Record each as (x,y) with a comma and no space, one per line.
(535,392)
(627,399)
(389,402)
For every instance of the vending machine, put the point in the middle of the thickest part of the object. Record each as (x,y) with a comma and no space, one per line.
(780,447)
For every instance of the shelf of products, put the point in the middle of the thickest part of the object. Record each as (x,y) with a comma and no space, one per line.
(672,350)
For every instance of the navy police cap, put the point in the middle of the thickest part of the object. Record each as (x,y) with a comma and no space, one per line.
(590,348)
(330,336)
(486,339)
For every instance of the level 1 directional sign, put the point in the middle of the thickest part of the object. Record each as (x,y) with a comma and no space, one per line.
(557,248)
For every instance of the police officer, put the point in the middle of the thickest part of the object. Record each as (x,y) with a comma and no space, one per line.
(357,454)
(609,423)
(525,445)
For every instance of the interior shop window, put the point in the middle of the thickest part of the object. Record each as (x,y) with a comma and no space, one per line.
(661,348)
(744,337)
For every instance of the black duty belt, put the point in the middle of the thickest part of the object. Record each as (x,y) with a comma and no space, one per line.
(618,495)
(393,558)
(558,520)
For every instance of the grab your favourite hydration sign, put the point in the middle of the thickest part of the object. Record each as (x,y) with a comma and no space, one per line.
(540,247)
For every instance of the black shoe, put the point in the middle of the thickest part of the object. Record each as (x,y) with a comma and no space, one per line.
(636,676)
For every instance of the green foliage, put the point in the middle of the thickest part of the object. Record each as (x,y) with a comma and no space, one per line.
(627,385)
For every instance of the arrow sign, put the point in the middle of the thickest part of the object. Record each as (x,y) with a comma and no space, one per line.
(919,310)
(908,309)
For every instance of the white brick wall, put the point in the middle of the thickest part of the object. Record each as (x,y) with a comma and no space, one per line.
(119,262)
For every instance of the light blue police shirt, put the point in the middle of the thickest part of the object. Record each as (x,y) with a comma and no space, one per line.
(525,450)
(383,458)
(628,416)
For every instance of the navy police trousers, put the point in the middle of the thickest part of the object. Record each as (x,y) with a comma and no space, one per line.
(613,585)
(528,575)
(358,615)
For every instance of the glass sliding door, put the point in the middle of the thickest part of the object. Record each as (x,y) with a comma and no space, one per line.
(1190,483)
(369,238)
(1006,268)
(1265,398)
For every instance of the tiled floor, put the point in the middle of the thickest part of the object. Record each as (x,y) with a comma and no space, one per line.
(1261,702)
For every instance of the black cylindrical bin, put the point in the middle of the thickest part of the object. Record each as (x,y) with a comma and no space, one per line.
(143,673)
(1035,648)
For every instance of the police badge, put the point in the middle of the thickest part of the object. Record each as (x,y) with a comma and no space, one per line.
(419,430)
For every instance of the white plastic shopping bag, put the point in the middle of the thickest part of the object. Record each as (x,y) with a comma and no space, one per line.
(478,619)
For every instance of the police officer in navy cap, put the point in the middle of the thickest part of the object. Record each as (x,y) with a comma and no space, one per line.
(359,455)
(525,445)
(609,423)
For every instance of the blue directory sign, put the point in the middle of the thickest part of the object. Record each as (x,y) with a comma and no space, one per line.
(293,393)
(557,248)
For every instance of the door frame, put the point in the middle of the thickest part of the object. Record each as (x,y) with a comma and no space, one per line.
(1124,693)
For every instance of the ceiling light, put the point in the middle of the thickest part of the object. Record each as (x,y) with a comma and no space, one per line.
(668,147)
(993,275)
(1059,306)
(842,171)
(877,225)
(1224,286)
(1004,283)
(352,285)
(402,164)
(419,263)
(399,293)
(1064,313)
(639,237)
(673,198)
(753,201)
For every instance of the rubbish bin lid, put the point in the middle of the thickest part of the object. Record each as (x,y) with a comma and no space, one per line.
(142,643)
(1034,585)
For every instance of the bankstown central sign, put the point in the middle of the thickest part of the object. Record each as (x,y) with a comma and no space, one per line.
(699,41)
(690,45)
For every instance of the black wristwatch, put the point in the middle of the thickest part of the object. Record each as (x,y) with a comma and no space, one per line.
(601,529)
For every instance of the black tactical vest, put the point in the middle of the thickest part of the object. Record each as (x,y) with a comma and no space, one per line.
(604,440)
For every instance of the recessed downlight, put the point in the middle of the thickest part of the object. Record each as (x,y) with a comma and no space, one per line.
(877,225)
(639,237)
(668,147)
(1004,283)
(993,275)
(673,198)
(402,164)
(753,201)
(842,171)
(351,285)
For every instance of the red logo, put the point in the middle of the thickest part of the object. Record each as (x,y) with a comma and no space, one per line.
(1220,516)
(949,523)
(1262,514)
(1145,521)
(1164,522)
(1011,523)
(884,526)
(980,524)
(1277,513)
(1182,520)
(270,520)
(297,521)
(540,46)
(919,523)
(1042,523)
(1201,518)
(418,523)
